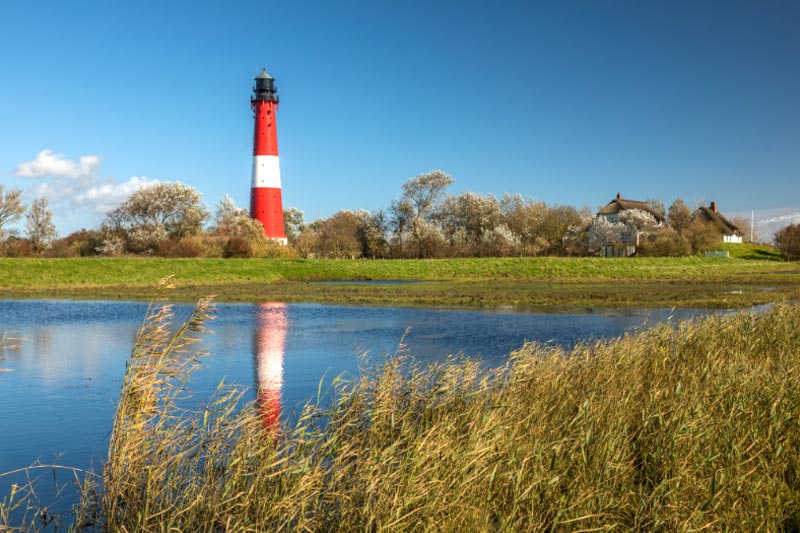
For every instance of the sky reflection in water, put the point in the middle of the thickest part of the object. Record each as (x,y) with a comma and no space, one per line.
(57,391)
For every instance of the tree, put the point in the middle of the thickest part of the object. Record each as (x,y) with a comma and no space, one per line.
(498,241)
(554,226)
(576,237)
(158,212)
(743,224)
(226,216)
(400,220)
(231,220)
(292,223)
(679,216)
(525,218)
(656,205)
(421,196)
(541,228)
(39,225)
(305,242)
(602,232)
(338,236)
(788,241)
(372,234)
(11,209)
(638,220)
(466,218)
(176,207)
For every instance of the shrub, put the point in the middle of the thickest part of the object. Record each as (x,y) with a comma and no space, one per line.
(667,243)
(237,247)
(702,236)
(112,246)
(83,243)
(16,247)
(60,248)
(185,247)
(145,238)
(788,241)
(273,249)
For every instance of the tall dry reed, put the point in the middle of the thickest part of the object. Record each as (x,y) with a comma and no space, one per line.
(684,427)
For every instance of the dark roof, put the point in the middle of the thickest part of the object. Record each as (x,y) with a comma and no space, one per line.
(618,205)
(264,75)
(708,214)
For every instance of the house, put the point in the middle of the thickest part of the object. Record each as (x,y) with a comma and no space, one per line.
(622,242)
(711,215)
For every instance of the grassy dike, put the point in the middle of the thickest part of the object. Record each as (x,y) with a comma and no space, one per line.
(754,277)
(683,427)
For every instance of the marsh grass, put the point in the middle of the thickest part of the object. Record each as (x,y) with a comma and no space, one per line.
(542,283)
(684,427)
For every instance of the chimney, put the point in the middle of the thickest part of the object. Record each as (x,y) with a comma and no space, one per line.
(619,196)
(713,206)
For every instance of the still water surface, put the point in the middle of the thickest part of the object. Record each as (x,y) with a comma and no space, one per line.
(57,391)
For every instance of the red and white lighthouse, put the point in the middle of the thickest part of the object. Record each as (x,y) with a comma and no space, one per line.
(265,193)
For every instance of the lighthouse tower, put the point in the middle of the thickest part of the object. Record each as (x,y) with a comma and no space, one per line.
(265,193)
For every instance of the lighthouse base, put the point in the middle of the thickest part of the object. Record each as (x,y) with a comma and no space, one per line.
(266,207)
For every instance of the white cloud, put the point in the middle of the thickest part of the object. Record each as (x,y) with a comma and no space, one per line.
(766,228)
(105,197)
(49,164)
(78,196)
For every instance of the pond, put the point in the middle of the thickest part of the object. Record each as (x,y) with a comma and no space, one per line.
(57,390)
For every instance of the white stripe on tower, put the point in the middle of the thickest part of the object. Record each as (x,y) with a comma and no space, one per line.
(266,172)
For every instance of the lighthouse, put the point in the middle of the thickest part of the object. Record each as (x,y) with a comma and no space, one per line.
(266,205)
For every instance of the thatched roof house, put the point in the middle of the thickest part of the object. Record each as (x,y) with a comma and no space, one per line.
(711,214)
(623,243)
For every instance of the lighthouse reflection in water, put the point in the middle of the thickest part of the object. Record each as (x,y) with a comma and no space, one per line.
(269,344)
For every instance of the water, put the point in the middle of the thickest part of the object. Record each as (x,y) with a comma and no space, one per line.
(57,391)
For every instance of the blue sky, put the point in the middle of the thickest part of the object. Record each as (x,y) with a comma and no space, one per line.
(568,102)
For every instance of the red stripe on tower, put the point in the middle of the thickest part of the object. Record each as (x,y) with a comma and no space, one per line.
(266,204)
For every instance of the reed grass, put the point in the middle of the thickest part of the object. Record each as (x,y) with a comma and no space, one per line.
(684,427)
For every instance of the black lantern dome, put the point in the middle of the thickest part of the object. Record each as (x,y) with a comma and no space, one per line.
(265,87)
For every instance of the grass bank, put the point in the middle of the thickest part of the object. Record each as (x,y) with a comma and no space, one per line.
(683,427)
(536,283)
